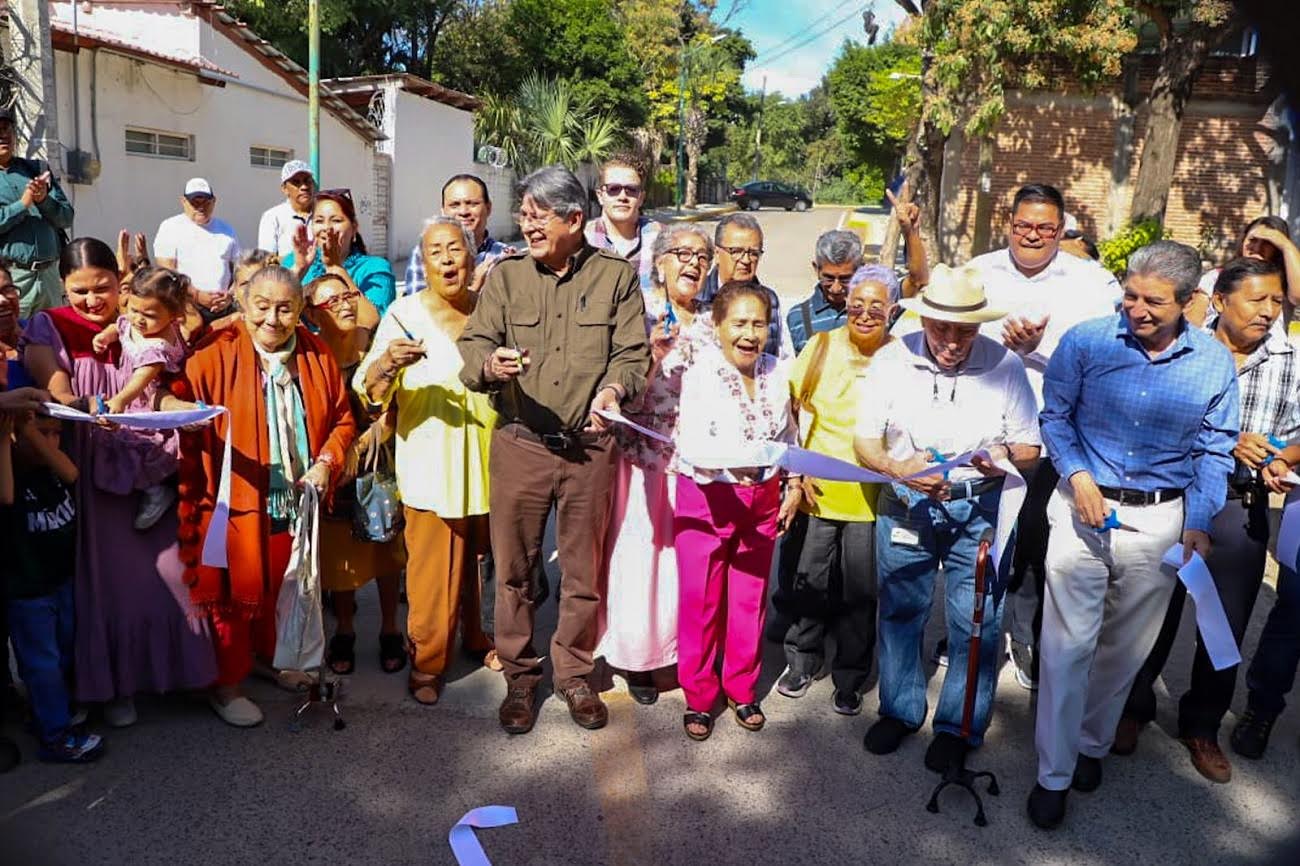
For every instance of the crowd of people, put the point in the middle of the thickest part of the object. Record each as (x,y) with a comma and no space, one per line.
(620,374)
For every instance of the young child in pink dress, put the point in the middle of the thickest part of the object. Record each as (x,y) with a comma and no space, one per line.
(152,343)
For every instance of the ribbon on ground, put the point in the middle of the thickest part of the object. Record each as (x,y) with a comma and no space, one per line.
(465,845)
(816,465)
(1211,621)
(214,545)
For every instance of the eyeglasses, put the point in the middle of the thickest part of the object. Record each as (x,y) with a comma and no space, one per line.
(1043,230)
(617,189)
(524,220)
(199,200)
(333,302)
(742,253)
(828,280)
(686,255)
(875,309)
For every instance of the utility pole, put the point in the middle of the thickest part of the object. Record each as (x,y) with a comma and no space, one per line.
(31,57)
(313,87)
(758,131)
(681,126)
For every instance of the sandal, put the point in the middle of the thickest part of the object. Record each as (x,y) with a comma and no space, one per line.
(745,712)
(492,661)
(703,720)
(392,652)
(425,688)
(341,655)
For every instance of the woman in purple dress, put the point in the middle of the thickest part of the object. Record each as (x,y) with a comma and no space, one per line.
(136,628)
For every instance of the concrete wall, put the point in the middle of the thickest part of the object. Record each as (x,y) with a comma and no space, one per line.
(430,142)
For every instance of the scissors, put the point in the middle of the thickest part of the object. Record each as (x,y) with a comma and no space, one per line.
(1277,443)
(935,455)
(670,318)
(1112,522)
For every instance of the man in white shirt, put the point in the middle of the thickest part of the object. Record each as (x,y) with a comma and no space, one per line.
(1045,293)
(201,246)
(279,224)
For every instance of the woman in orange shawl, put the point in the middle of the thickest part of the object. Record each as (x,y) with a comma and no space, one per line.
(291,425)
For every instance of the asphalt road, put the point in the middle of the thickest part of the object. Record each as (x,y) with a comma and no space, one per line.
(180,787)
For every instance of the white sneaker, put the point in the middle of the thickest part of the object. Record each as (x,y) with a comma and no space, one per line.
(240,712)
(154,503)
(120,713)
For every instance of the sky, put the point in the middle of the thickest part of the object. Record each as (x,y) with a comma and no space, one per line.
(777,26)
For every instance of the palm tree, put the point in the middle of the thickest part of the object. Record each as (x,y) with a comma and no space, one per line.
(546,123)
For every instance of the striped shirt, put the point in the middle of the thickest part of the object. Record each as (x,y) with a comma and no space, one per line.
(1269,382)
(416,280)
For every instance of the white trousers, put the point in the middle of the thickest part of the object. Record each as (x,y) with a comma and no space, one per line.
(1106,598)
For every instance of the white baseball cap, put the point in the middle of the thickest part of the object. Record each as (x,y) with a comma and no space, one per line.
(198,186)
(295,166)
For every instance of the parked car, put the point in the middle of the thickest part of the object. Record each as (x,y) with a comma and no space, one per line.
(770,193)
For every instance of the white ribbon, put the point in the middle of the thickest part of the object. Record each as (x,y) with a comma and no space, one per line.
(1211,620)
(465,845)
(214,545)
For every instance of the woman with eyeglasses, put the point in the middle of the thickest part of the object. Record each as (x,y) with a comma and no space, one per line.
(443,435)
(336,247)
(348,563)
(831,555)
(638,622)
(620,227)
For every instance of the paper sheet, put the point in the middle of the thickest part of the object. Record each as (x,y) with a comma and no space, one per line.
(1288,535)
(214,545)
(465,845)
(1211,621)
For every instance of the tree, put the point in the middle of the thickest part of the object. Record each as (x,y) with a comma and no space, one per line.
(1189,30)
(547,122)
(477,52)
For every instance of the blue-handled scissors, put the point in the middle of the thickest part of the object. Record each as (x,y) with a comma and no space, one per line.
(100,405)
(670,318)
(937,457)
(1112,522)
(1277,443)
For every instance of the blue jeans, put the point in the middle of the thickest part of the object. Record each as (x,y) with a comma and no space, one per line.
(1272,671)
(42,630)
(930,533)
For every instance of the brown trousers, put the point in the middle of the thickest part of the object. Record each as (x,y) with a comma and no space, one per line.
(527,480)
(442,585)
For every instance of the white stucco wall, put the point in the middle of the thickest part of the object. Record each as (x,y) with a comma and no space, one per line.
(430,142)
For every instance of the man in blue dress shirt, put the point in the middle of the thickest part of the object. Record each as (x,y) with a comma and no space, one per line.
(1140,417)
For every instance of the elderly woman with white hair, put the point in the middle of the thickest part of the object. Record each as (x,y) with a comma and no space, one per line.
(829,554)
(638,622)
(443,435)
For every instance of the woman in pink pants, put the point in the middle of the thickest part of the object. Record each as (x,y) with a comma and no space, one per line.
(727,520)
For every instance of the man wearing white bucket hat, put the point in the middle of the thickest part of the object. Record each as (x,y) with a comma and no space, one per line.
(930,396)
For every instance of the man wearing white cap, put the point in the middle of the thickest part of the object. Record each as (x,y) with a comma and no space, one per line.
(927,396)
(201,246)
(279,224)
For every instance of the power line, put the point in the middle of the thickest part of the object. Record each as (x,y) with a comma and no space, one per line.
(814,37)
(797,34)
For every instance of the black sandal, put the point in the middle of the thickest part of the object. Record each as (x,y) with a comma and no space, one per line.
(392,652)
(745,711)
(341,655)
(704,720)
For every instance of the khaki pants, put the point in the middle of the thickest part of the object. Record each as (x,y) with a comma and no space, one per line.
(442,585)
(527,480)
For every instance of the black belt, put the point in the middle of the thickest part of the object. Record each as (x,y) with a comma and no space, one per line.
(33,266)
(1125,496)
(562,442)
(974,487)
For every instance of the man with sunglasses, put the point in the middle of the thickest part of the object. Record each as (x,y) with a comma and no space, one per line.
(279,224)
(620,227)
(1045,293)
(464,197)
(201,246)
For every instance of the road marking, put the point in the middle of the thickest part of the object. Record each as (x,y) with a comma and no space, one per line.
(618,763)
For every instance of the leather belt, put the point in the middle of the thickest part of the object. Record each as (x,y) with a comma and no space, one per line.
(972,488)
(562,442)
(33,266)
(1125,496)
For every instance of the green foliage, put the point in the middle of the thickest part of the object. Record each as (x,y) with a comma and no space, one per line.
(1116,250)
(875,91)
(548,121)
(861,185)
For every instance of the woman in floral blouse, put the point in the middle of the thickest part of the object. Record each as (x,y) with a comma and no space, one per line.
(638,623)
(733,398)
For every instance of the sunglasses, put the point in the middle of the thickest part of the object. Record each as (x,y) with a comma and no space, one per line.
(617,189)
(875,310)
(301,180)
(1043,230)
(199,200)
(828,280)
(341,192)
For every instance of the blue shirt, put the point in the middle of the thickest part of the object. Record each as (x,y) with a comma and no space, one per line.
(1143,423)
(373,276)
(821,315)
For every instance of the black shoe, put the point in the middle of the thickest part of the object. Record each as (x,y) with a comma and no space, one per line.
(846,703)
(641,686)
(1250,735)
(1047,808)
(885,736)
(1087,774)
(777,626)
(940,654)
(946,750)
(793,684)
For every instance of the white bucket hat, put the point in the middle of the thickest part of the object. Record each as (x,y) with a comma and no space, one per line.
(953,295)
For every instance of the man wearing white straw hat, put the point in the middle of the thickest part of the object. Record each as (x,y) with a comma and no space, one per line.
(926,397)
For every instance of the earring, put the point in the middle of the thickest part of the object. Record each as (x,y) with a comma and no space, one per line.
(661,275)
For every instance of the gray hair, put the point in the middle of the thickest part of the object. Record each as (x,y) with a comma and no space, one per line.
(839,247)
(556,188)
(1169,260)
(875,273)
(739,220)
(276,273)
(448,221)
(667,239)
(256,258)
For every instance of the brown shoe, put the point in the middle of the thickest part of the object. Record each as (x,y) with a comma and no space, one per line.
(585,706)
(519,710)
(425,688)
(1126,736)
(1208,759)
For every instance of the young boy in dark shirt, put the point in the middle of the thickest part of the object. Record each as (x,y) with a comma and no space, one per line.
(39,526)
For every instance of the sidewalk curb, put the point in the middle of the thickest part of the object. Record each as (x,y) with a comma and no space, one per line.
(670,215)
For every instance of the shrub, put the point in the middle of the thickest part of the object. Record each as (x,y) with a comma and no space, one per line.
(1116,250)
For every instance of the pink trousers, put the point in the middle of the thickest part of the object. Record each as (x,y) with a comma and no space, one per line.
(725,537)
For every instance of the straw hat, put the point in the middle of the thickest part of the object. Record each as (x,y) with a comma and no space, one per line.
(953,295)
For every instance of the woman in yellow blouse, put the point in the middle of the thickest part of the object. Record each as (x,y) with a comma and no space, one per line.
(835,575)
(443,431)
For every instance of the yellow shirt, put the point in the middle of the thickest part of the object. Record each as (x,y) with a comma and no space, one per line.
(830,426)
(443,428)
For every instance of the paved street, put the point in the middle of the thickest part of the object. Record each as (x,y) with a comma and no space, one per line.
(180,787)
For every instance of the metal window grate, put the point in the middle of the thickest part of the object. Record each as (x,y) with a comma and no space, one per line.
(268,157)
(165,145)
